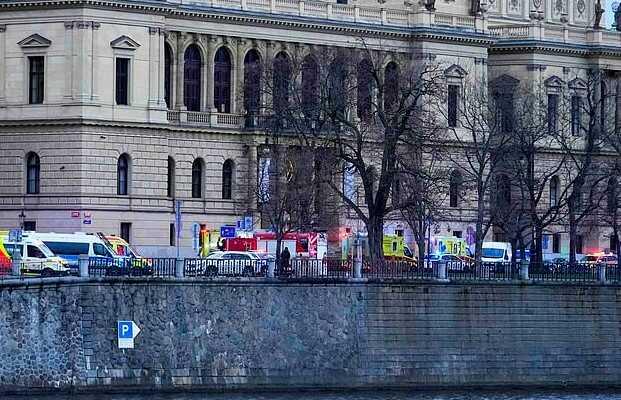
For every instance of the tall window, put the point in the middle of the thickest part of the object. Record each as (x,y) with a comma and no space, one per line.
(282,78)
(227,179)
(168,60)
(576,113)
(612,192)
(222,80)
(391,86)
(552,113)
(192,78)
(126,231)
(503,90)
(364,80)
(503,192)
(603,103)
(172,234)
(579,244)
(554,191)
(453,103)
(336,87)
(455,188)
(170,181)
(33,171)
(122,81)
(252,82)
(506,112)
(36,79)
(556,243)
(310,86)
(122,175)
(197,178)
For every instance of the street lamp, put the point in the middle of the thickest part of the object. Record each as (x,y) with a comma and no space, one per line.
(22,219)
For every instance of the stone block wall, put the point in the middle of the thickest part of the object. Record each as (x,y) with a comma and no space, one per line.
(244,335)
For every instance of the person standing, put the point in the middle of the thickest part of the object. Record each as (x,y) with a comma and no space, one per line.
(285,257)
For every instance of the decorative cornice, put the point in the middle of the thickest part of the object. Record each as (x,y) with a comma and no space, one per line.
(556,48)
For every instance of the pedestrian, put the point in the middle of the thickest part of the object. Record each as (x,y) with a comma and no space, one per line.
(285,256)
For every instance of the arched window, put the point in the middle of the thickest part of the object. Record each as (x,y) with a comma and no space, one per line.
(192,78)
(365,89)
(455,188)
(170,187)
(554,191)
(310,87)
(222,80)
(122,175)
(33,172)
(282,78)
(613,192)
(197,178)
(336,87)
(503,192)
(168,60)
(227,179)
(252,82)
(391,86)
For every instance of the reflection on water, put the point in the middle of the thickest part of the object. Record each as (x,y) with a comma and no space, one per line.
(370,395)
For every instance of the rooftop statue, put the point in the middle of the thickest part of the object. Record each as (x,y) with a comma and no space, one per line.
(599,11)
(430,5)
(475,7)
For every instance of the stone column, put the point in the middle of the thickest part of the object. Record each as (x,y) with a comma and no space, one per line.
(2,65)
(161,94)
(179,101)
(238,91)
(268,63)
(208,74)
(95,62)
(82,78)
(154,67)
(69,50)
(618,103)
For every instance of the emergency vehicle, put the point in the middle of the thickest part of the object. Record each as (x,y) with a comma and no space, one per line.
(37,258)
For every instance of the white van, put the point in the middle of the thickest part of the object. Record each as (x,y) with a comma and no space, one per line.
(496,252)
(37,258)
(71,245)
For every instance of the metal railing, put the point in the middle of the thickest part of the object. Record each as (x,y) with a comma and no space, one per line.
(320,270)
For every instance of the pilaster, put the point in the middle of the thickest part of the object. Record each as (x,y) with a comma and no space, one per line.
(84,44)
(69,60)
(208,72)
(2,65)
(94,61)
(179,101)
(238,102)
(154,67)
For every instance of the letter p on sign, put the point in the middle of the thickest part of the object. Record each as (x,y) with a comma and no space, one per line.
(126,333)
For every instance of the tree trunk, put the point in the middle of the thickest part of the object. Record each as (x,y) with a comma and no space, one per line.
(537,257)
(573,234)
(479,235)
(375,228)
(420,243)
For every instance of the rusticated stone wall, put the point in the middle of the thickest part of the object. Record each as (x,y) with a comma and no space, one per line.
(236,335)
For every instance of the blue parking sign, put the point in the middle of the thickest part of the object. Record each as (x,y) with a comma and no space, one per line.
(125,330)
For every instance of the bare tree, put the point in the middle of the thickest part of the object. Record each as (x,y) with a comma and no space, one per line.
(359,108)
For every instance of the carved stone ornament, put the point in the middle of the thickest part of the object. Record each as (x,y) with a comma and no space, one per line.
(537,4)
(581,6)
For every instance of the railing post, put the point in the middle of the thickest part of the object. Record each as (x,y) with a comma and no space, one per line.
(524,270)
(83,264)
(441,273)
(601,273)
(301,8)
(179,268)
(16,265)
(271,268)
(384,16)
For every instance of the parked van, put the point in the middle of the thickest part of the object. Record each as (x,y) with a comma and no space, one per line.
(496,252)
(37,258)
(132,259)
(71,245)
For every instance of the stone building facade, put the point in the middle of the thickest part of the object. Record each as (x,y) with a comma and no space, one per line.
(78,154)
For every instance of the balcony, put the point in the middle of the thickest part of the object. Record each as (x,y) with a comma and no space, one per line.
(556,33)
(214,120)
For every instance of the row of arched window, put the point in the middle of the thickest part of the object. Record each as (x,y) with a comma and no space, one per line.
(123,176)
(281,79)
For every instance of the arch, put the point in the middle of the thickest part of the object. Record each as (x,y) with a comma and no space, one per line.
(391,86)
(364,78)
(222,80)
(192,77)
(455,188)
(337,74)
(252,81)
(554,191)
(281,80)
(310,86)
(198,168)
(170,177)
(122,175)
(168,78)
(33,173)
(613,192)
(228,173)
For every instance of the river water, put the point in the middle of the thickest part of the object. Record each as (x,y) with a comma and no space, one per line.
(371,395)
